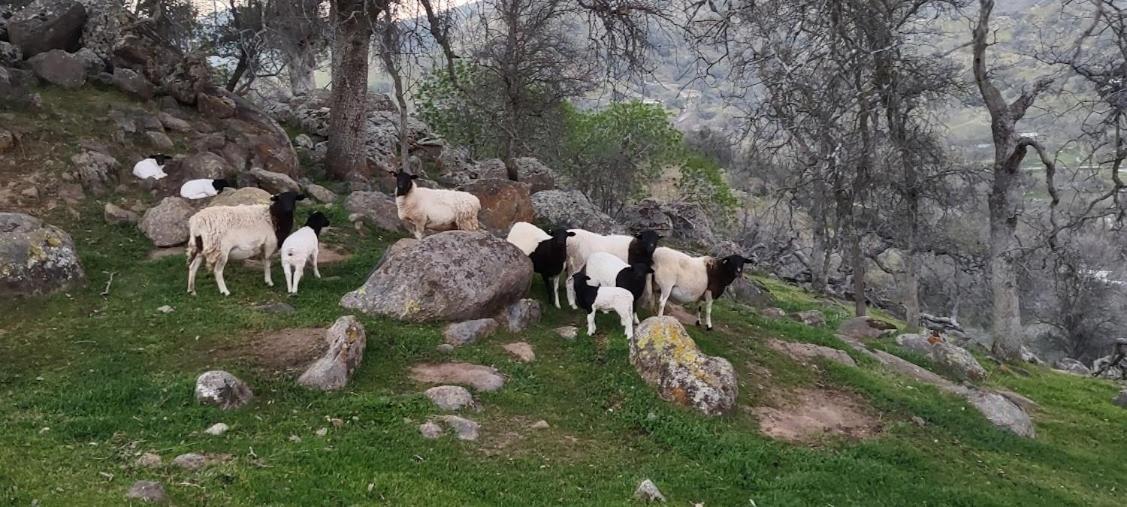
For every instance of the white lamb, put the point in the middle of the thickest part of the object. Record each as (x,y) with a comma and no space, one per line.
(435,209)
(606,270)
(630,249)
(605,299)
(222,233)
(152,167)
(300,247)
(688,279)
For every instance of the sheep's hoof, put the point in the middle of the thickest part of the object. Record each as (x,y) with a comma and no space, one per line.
(708,328)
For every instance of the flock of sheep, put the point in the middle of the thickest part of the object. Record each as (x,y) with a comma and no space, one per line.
(608,273)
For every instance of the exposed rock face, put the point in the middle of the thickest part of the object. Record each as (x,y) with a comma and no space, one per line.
(470,331)
(1072,366)
(561,208)
(503,203)
(668,359)
(47,24)
(952,358)
(239,197)
(59,68)
(223,390)
(9,55)
(813,318)
(166,224)
(864,328)
(346,350)
(451,398)
(36,258)
(680,222)
(455,275)
(539,176)
(481,378)
(273,182)
(1002,412)
(376,208)
(808,351)
(521,315)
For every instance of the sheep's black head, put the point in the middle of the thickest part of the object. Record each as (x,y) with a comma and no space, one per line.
(286,202)
(580,279)
(160,158)
(733,265)
(317,221)
(403,182)
(220,184)
(559,237)
(646,243)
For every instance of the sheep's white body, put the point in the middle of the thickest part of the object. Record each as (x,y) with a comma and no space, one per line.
(198,189)
(438,209)
(617,300)
(148,168)
(603,269)
(229,233)
(299,248)
(526,237)
(582,245)
(683,278)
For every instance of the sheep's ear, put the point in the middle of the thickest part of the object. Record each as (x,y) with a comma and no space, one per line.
(570,234)
(274,198)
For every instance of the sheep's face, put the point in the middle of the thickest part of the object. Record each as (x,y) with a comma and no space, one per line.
(559,237)
(220,184)
(647,242)
(403,182)
(734,265)
(160,158)
(286,202)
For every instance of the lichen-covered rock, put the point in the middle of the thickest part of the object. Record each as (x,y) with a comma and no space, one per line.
(571,209)
(166,224)
(451,398)
(953,359)
(346,350)
(273,182)
(45,25)
(59,68)
(221,389)
(470,331)
(1002,412)
(97,171)
(240,197)
(376,208)
(521,315)
(455,275)
(668,359)
(503,203)
(36,258)
(539,176)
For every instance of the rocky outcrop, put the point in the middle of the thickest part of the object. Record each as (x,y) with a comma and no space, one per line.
(809,351)
(346,350)
(503,203)
(539,176)
(375,208)
(1002,412)
(166,224)
(59,68)
(95,170)
(455,275)
(668,359)
(1072,366)
(46,25)
(864,328)
(36,258)
(559,208)
(221,389)
(681,223)
(955,360)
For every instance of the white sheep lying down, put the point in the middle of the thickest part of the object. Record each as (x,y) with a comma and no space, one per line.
(432,208)
(688,279)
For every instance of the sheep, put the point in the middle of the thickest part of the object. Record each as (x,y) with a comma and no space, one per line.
(607,299)
(547,250)
(606,270)
(688,279)
(222,233)
(632,249)
(299,248)
(436,209)
(151,167)
(203,188)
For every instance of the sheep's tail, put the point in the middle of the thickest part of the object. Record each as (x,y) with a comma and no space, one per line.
(195,247)
(468,223)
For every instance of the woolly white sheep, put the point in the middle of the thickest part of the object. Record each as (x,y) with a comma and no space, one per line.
(687,279)
(299,248)
(222,233)
(548,251)
(151,167)
(435,209)
(606,270)
(606,299)
(202,188)
(631,249)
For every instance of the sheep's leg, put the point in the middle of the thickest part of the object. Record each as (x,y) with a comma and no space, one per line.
(287,271)
(708,310)
(298,270)
(556,290)
(591,323)
(547,285)
(316,272)
(665,292)
(192,268)
(219,265)
(266,267)
(624,318)
(569,287)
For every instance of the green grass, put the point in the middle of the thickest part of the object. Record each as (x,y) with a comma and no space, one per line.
(88,382)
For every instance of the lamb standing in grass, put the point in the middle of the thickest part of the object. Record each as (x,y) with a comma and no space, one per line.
(435,209)
(631,249)
(203,188)
(224,233)
(606,270)
(547,250)
(607,299)
(300,247)
(151,167)
(687,279)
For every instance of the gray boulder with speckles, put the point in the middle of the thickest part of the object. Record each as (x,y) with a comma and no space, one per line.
(36,258)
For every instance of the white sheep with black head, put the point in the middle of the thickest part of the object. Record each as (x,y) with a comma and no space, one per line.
(688,279)
(635,249)
(433,208)
(300,247)
(547,250)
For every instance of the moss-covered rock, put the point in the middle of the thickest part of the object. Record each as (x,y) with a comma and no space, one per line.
(668,359)
(35,258)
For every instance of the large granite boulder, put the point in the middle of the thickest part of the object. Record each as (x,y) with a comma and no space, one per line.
(450,276)
(36,258)
(166,224)
(376,208)
(539,176)
(681,222)
(560,208)
(668,359)
(47,24)
(953,359)
(503,203)
(59,68)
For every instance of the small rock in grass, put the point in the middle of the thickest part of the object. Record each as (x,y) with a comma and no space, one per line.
(217,429)
(445,348)
(295,439)
(147,492)
(148,460)
(773,313)
(540,425)
(813,318)
(222,389)
(647,492)
(467,332)
(322,432)
(1121,399)
(521,350)
(464,428)
(567,332)
(450,397)
(190,461)
(430,430)
(337,423)
(166,309)
(919,421)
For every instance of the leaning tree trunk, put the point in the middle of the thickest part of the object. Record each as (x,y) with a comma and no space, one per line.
(347,154)
(302,69)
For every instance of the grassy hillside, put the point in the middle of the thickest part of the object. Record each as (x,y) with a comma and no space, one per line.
(89,382)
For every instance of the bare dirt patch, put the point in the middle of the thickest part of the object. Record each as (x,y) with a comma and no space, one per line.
(808,415)
(285,350)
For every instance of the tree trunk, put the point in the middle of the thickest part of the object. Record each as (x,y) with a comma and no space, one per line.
(1006,326)
(819,255)
(302,68)
(347,154)
(389,53)
(858,260)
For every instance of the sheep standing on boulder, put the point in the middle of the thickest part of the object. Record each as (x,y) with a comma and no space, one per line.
(151,167)
(607,299)
(606,270)
(222,233)
(203,188)
(547,250)
(687,279)
(299,248)
(435,209)
(631,249)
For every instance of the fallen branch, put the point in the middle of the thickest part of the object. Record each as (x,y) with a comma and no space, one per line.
(108,283)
